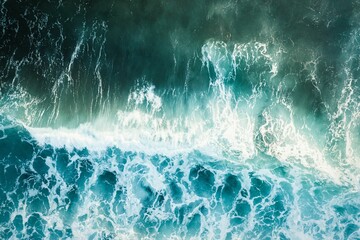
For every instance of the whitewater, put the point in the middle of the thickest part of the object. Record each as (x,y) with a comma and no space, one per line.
(165,120)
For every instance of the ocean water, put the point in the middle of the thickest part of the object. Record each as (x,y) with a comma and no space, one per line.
(206,119)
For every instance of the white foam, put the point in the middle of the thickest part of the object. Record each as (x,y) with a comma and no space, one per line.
(225,129)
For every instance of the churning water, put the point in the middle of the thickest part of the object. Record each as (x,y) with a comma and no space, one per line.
(206,119)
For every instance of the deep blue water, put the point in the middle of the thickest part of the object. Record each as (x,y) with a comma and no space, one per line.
(179,120)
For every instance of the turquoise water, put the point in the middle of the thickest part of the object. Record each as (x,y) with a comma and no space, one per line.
(179,120)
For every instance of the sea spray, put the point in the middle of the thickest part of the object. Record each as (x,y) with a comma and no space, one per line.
(165,120)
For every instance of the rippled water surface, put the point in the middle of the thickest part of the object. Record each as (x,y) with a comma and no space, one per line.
(223,119)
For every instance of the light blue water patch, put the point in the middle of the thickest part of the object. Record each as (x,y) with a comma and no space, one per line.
(192,195)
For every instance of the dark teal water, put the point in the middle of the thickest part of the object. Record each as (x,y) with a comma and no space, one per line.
(179,120)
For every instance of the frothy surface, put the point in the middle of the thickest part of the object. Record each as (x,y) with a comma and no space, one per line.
(179,120)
